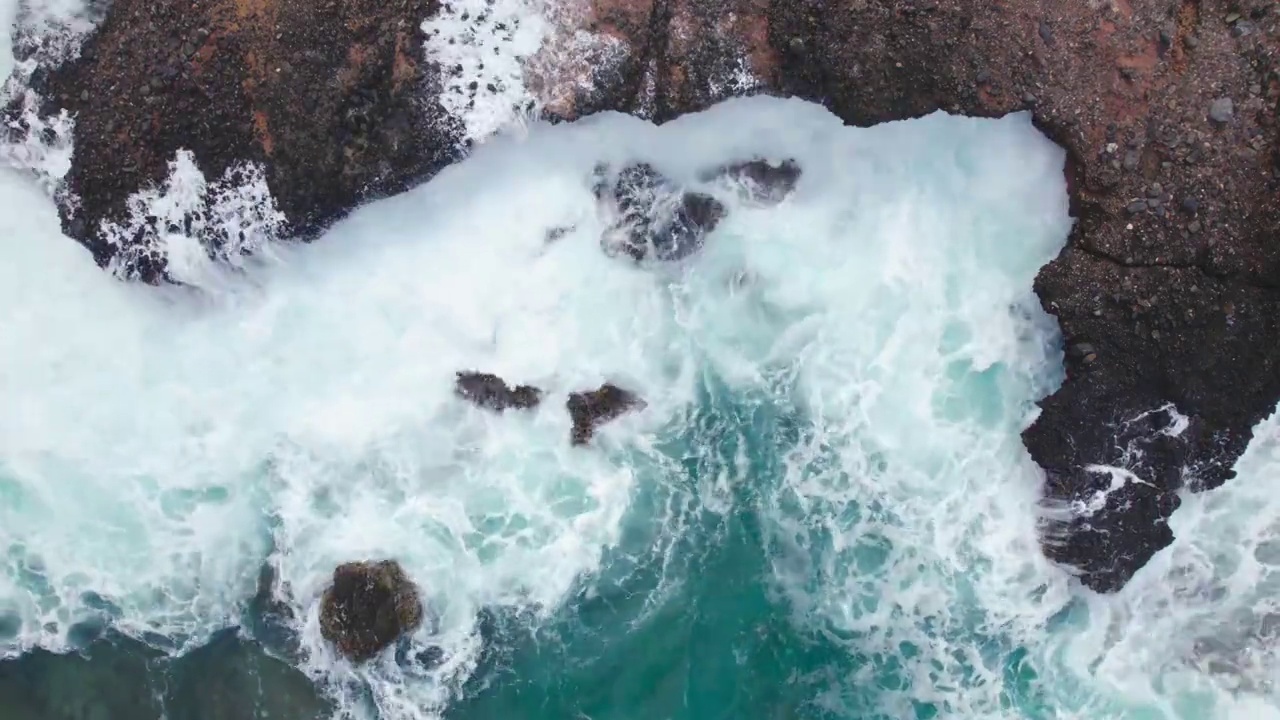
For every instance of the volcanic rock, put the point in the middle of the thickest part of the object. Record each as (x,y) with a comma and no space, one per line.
(327,97)
(655,218)
(1131,107)
(491,392)
(368,607)
(597,407)
(765,182)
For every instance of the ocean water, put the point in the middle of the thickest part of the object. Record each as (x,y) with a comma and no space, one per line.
(824,511)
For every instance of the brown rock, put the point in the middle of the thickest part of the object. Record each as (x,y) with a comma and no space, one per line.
(597,407)
(490,391)
(368,607)
(334,107)
(766,182)
(1125,88)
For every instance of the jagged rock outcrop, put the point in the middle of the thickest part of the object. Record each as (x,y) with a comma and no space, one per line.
(368,607)
(590,409)
(492,392)
(331,100)
(654,218)
(1168,291)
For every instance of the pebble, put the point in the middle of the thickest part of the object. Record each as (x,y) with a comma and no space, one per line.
(984,76)
(1190,205)
(1221,110)
(1194,227)
(1131,160)
(1192,41)
(1046,33)
(1136,207)
(1029,99)
(1155,190)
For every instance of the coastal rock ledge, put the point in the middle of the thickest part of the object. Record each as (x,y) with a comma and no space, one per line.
(1167,293)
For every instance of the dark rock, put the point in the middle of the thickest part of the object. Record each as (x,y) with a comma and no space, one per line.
(765,182)
(358,58)
(368,607)
(1221,111)
(1189,205)
(591,409)
(491,392)
(1046,33)
(656,219)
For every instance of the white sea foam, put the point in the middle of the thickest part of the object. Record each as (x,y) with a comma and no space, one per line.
(157,444)
(200,228)
(481,46)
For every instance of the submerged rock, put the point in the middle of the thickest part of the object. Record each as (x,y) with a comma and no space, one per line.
(368,607)
(597,407)
(764,181)
(234,678)
(492,392)
(656,218)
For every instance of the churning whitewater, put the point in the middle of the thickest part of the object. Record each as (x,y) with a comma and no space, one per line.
(823,511)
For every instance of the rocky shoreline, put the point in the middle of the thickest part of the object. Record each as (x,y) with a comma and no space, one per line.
(1167,294)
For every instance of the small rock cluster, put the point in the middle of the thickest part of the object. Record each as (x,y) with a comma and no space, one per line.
(656,218)
(371,604)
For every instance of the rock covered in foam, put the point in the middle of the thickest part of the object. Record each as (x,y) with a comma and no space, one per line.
(764,181)
(368,607)
(492,392)
(596,407)
(655,218)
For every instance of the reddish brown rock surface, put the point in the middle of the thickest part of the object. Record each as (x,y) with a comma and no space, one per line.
(328,96)
(1167,292)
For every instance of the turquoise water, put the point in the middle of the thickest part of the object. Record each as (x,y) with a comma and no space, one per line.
(823,511)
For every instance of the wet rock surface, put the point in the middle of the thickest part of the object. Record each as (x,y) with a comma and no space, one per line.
(593,408)
(655,218)
(1171,274)
(229,678)
(492,392)
(332,99)
(765,182)
(368,607)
